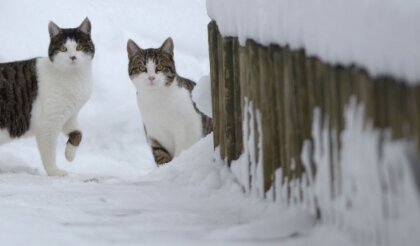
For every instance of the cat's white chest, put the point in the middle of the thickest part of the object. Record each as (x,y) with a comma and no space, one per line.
(169,117)
(60,95)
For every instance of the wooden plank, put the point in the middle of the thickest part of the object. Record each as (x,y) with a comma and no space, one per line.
(243,71)
(312,104)
(366,92)
(415,102)
(254,90)
(395,111)
(302,113)
(414,113)
(289,119)
(381,103)
(274,123)
(322,78)
(244,93)
(267,98)
(222,113)
(280,123)
(227,89)
(237,95)
(214,78)
(345,87)
(249,93)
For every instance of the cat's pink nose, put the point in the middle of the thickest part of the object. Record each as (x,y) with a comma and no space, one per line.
(151,78)
(73,58)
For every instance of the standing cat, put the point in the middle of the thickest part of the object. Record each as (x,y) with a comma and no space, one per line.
(41,97)
(171,119)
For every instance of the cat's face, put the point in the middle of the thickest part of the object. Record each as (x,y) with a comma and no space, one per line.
(151,68)
(71,47)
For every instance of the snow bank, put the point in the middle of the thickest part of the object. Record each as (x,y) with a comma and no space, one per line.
(196,167)
(381,36)
(200,168)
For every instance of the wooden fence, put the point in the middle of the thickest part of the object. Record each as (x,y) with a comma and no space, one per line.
(286,86)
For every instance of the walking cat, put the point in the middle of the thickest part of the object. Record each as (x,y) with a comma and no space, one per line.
(41,97)
(171,119)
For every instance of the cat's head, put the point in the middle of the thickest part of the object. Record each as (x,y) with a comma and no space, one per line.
(70,47)
(151,68)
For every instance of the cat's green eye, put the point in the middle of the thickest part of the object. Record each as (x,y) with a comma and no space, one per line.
(159,67)
(142,68)
(79,47)
(63,48)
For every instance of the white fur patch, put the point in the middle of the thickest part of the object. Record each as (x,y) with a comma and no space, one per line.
(142,80)
(63,60)
(61,94)
(168,114)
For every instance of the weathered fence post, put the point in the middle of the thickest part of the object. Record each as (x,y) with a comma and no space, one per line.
(214,77)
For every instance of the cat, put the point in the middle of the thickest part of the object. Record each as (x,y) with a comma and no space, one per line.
(41,97)
(171,119)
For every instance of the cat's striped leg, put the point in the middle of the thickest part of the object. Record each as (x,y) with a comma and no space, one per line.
(160,154)
(71,128)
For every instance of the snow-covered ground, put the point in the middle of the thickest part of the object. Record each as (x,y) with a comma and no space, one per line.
(114,194)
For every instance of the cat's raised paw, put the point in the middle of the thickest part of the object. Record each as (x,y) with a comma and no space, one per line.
(70,152)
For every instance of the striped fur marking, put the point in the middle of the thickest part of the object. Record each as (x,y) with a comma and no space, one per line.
(160,154)
(18,91)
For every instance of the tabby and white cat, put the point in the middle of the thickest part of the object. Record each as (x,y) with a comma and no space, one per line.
(171,119)
(41,97)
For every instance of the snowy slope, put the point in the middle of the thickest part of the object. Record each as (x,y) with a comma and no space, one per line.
(114,194)
(379,35)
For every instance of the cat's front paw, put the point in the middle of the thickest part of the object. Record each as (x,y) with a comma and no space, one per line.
(56,172)
(70,152)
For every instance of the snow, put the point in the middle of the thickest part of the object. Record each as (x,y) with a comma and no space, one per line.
(377,35)
(193,200)
(373,196)
(248,168)
(115,195)
(201,95)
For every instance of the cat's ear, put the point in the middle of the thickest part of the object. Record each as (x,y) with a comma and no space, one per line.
(168,46)
(53,29)
(85,26)
(132,48)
